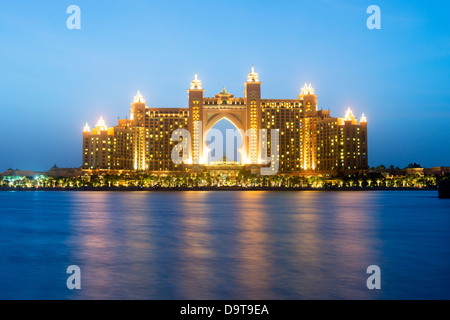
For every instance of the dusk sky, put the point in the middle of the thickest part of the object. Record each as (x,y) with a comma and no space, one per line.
(53,80)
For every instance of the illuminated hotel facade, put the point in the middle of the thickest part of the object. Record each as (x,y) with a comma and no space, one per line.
(310,140)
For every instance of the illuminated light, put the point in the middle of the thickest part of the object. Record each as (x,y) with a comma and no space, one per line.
(196,83)
(101,125)
(139,98)
(244,158)
(307,89)
(86,128)
(363,118)
(204,158)
(349,115)
(252,76)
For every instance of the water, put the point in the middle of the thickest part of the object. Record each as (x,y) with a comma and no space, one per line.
(224,245)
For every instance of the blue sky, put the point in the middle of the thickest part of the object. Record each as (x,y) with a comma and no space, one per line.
(53,80)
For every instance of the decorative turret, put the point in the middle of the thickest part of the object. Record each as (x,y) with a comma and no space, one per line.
(307,89)
(349,115)
(363,119)
(223,97)
(224,92)
(196,83)
(139,98)
(137,109)
(252,76)
(86,128)
(101,125)
(309,99)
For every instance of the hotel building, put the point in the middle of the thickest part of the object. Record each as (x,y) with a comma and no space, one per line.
(310,140)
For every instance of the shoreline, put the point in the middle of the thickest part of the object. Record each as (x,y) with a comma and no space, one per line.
(174,189)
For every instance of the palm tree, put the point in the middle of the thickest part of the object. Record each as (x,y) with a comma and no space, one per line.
(295,181)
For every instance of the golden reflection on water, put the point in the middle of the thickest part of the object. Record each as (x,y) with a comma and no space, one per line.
(111,248)
(352,218)
(306,226)
(254,269)
(354,242)
(196,276)
(241,249)
(94,244)
(307,244)
(225,245)
(328,239)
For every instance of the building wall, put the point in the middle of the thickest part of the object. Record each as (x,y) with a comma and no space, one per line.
(159,125)
(342,144)
(285,115)
(109,148)
(329,149)
(98,149)
(354,139)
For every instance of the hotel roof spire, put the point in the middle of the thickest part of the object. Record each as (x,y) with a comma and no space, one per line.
(349,115)
(252,76)
(307,89)
(101,125)
(363,118)
(139,98)
(196,83)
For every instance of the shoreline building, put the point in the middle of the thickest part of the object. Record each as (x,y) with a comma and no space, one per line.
(310,140)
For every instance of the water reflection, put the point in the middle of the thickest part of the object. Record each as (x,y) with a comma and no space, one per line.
(112,244)
(224,245)
(308,246)
(353,243)
(196,274)
(253,269)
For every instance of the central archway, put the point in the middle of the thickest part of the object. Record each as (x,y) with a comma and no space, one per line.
(233,140)
(224,144)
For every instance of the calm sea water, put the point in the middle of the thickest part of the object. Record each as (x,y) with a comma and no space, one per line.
(224,245)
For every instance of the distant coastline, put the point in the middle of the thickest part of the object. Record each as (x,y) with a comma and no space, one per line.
(227,188)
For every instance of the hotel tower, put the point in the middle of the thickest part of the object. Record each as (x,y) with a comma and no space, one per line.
(310,140)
